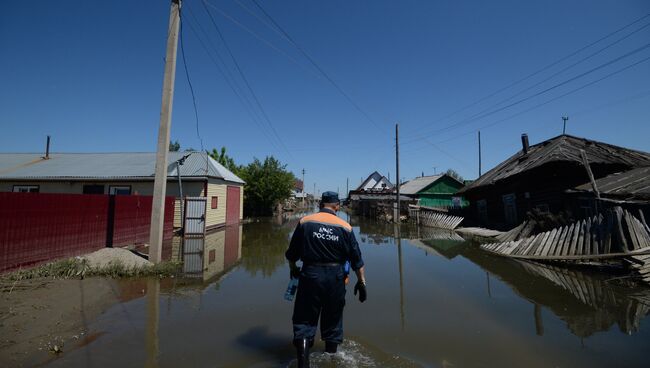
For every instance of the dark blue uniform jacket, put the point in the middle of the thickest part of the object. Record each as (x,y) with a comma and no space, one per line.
(324,238)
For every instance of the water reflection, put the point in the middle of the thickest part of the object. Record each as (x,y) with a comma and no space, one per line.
(587,302)
(207,258)
(153,317)
(264,245)
(456,307)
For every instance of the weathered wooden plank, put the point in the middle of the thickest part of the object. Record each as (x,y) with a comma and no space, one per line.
(643,221)
(538,244)
(609,226)
(558,246)
(593,236)
(644,235)
(587,246)
(634,239)
(512,246)
(530,245)
(569,239)
(576,248)
(618,219)
(572,239)
(549,243)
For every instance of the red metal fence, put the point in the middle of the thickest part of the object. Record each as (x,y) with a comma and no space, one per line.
(38,227)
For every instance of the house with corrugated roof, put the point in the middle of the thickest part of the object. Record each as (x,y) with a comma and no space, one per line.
(544,177)
(198,174)
(434,191)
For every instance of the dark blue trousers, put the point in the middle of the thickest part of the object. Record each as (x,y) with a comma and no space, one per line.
(321,293)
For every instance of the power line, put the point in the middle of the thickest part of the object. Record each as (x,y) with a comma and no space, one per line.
(230,79)
(613,103)
(318,67)
(189,82)
(259,37)
(542,81)
(551,100)
(542,69)
(492,112)
(241,74)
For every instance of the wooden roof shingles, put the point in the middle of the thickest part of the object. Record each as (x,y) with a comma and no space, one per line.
(631,184)
(563,148)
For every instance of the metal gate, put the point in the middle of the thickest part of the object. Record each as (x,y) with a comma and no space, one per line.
(195,216)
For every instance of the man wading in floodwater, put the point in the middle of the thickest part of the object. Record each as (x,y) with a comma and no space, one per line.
(324,243)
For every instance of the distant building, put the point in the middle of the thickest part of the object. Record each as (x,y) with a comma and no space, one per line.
(127,174)
(544,177)
(434,191)
(298,190)
(375,183)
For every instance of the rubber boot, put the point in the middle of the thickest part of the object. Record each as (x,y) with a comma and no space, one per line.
(302,350)
(331,347)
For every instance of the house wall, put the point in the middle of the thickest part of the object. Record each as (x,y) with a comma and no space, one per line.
(440,193)
(543,188)
(218,188)
(190,188)
(216,216)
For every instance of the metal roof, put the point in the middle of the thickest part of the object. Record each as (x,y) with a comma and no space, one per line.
(631,184)
(414,186)
(561,148)
(138,165)
(378,179)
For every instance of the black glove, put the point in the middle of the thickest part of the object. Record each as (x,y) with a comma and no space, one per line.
(361,288)
(294,272)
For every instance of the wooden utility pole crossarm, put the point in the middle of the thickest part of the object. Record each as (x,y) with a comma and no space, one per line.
(160,180)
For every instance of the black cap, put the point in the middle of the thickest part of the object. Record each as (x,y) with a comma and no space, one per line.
(330,197)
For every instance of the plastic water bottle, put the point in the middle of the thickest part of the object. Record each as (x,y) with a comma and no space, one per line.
(291,289)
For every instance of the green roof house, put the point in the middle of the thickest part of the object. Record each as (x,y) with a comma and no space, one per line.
(434,191)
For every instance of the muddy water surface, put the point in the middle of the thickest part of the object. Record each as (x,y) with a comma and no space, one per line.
(434,301)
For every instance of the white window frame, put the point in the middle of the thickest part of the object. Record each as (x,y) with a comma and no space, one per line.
(26,188)
(113,188)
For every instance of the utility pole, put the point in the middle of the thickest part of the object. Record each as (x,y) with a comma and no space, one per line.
(397,209)
(314,191)
(479,154)
(303,188)
(434,170)
(347,187)
(564,119)
(160,180)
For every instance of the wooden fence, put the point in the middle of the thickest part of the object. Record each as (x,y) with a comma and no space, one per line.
(433,217)
(617,234)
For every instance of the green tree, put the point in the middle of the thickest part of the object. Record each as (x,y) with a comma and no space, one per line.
(267,183)
(454,174)
(174,146)
(223,158)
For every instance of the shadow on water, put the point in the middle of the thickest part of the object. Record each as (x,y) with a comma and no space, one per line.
(274,348)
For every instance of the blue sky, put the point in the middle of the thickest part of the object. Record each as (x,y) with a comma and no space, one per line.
(90,74)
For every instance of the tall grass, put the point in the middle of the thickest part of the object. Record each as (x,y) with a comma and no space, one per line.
(78,268)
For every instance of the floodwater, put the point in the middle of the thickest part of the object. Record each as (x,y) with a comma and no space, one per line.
(434,300)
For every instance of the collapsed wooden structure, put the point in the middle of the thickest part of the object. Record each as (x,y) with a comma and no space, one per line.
(433,217)
(617,235)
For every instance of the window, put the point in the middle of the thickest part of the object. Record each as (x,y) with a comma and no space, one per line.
(93,189)
(215,203)
(26,188)
(119,189)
